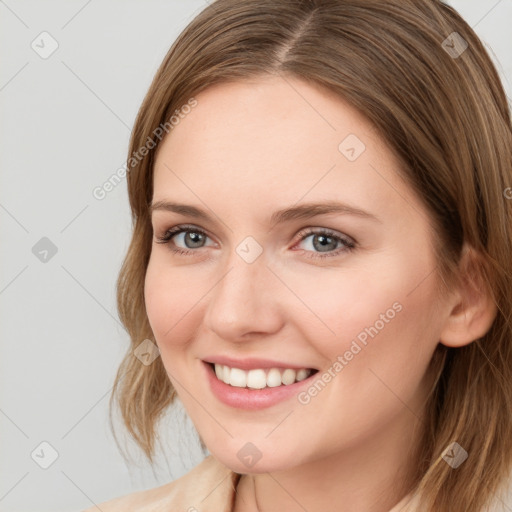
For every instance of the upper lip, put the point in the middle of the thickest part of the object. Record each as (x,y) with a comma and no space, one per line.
(252,363)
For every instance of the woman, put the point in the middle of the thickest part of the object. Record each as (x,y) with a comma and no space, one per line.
(321,253)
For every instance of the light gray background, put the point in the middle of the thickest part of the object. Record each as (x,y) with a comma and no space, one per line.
(65,127)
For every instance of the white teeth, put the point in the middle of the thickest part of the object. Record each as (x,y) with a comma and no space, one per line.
(288,376)
(256,379)
(237,378)
(226,373)
(274,378)
(259,378)
(302,374)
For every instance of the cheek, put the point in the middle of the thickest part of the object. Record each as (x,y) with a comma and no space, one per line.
(172,304)
(384,339)
(385,309)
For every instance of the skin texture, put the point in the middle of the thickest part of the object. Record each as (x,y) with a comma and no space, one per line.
(246,150)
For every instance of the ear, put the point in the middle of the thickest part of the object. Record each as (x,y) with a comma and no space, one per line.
(473,309)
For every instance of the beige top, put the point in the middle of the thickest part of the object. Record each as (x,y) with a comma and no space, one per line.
(209,487)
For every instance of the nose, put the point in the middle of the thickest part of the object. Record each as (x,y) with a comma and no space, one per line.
(245,301)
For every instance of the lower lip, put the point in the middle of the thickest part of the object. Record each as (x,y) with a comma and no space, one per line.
(252,399)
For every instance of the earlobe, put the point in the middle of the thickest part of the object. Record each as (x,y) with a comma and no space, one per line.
(473,309)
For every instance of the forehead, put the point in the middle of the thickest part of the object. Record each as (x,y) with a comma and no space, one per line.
(277,141)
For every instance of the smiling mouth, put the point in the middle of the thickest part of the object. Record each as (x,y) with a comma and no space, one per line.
(260,378)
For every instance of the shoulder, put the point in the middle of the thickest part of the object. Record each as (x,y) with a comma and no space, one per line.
(208,486)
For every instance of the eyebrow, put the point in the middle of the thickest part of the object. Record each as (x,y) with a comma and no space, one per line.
(302,211)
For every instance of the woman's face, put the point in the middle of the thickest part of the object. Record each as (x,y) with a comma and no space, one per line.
(266,280)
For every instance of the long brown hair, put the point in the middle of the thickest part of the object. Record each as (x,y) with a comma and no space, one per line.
(420,74)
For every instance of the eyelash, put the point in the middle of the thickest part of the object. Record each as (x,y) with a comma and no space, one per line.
(349,244)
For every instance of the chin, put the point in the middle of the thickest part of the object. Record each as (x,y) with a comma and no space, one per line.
(248,459)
